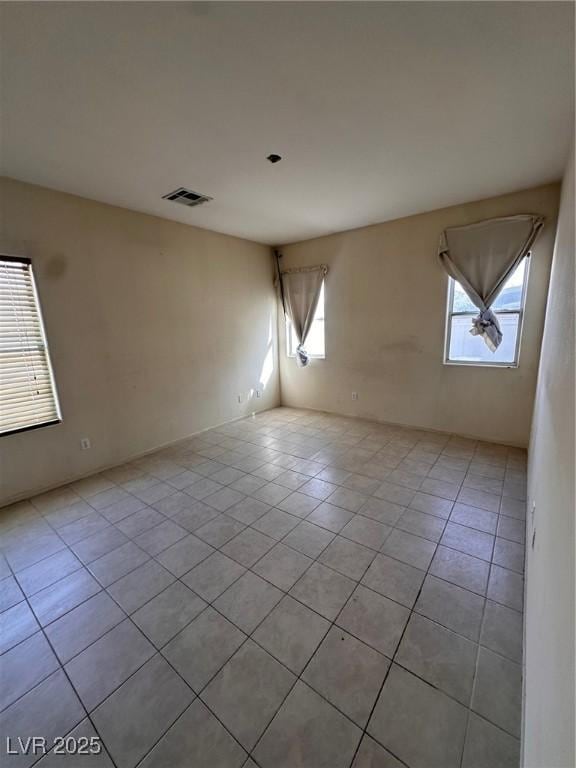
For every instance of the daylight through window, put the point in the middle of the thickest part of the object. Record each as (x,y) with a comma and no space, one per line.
(314,344)
(27,392)
(464,348)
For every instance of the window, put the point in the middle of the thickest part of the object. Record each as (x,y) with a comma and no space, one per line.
(462,347)
(27,392)
(315,341)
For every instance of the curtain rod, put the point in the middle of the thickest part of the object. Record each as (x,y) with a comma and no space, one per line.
(317,268)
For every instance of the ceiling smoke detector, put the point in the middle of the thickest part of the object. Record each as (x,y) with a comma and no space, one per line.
(186,197)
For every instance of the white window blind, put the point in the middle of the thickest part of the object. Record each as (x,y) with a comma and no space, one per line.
(27,393)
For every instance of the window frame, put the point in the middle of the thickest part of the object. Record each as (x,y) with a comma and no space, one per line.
(292,352)
(519,312)
(58,420)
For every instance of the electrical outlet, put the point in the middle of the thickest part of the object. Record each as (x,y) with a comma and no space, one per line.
(258,393)
(85,443)
(354,395)
(239,398)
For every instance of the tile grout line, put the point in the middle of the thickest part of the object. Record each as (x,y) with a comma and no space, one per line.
(357,582)
(249,568)
(70,683)
(168,519)
(152,557)
(392,661)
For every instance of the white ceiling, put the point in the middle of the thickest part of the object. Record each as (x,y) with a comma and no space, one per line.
(379,110)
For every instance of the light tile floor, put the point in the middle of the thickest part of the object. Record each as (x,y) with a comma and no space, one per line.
(294,590)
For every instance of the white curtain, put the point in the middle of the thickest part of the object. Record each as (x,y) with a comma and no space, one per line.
(481,257)
(301,291)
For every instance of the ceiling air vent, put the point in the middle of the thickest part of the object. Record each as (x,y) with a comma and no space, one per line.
(186,197)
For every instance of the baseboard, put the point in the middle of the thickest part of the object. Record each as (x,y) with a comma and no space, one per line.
(432,431)
(171,443)
(131,457)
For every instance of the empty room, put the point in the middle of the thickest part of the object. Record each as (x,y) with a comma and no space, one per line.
(287,393)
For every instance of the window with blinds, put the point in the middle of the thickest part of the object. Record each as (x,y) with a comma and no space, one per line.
(27,393)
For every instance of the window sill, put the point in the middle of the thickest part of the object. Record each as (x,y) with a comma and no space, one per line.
(310,357)
(464,364)
(31,427)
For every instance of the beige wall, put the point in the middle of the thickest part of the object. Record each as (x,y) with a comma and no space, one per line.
(385,322)
(154,329)
(549,632)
